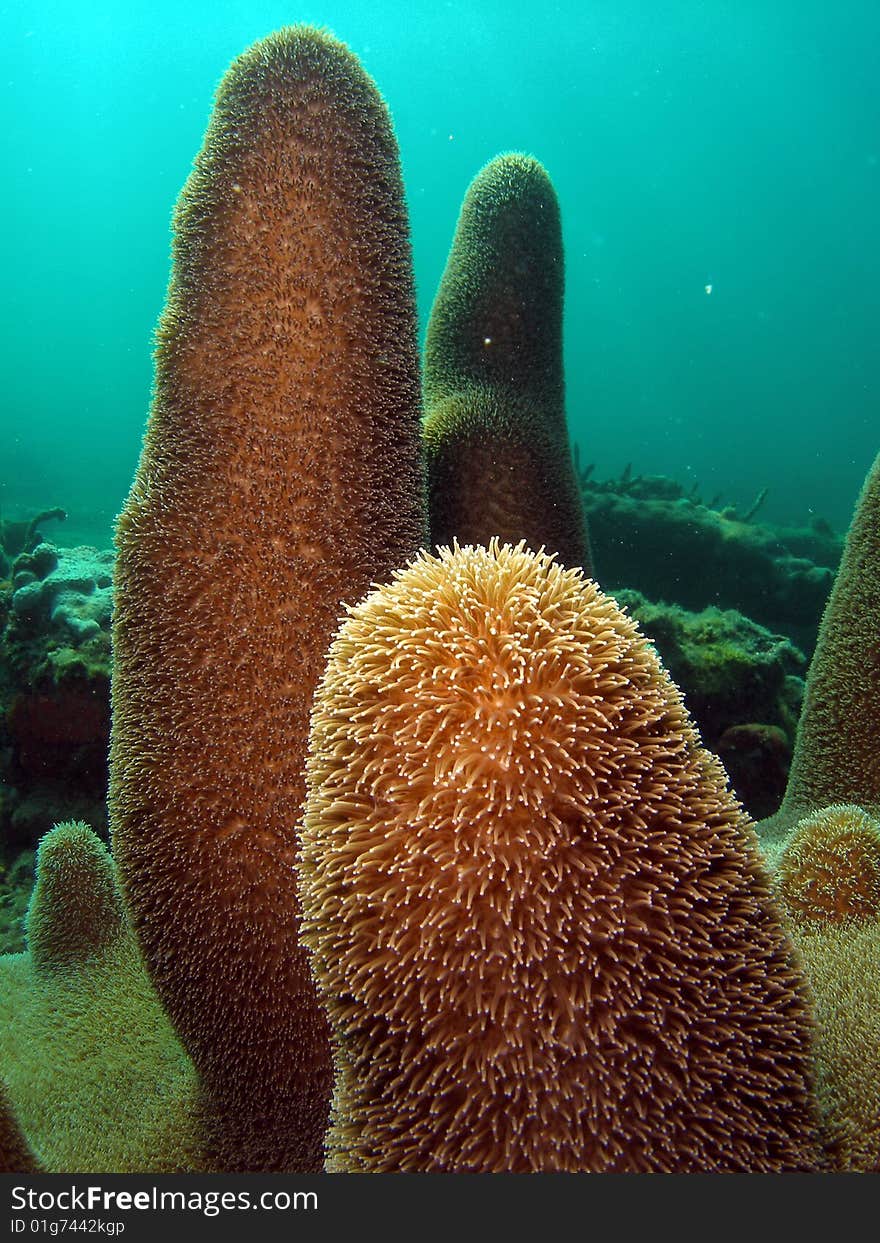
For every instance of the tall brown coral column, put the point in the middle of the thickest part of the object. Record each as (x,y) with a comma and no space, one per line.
(499,461)
(280,475)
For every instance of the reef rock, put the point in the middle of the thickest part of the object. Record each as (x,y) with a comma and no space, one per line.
(647,534)
(742,684)
(54,691)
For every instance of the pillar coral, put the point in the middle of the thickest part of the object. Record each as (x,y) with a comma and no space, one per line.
(836,758)
(15,1156)
(498,456)
(92,1070)
(824,843)
(829,880)
(280,475)
(536,914)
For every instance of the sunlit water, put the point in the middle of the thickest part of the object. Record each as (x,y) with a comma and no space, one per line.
(716,164)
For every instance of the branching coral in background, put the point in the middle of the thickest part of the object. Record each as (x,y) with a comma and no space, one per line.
(285,428)
(23,536)
(499,461)
(536,915)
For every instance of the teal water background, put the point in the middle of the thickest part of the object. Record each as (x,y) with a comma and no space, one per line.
(731,144)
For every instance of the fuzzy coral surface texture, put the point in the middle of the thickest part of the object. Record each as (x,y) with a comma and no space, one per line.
(537,916)
(96,1077)
(496,440)
(275,434)
(473,874)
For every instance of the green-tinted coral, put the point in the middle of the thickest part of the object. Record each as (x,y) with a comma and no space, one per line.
(836,758)
(15,1156)
(828,878)
(825,844)
(93,1072)
(645,534)
(499,461)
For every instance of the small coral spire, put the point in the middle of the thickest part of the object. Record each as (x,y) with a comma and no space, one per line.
(536,914)
(499,461)
(93,1074)
(75,910)
(280,475)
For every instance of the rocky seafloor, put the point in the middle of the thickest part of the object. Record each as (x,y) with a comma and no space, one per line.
(732,605)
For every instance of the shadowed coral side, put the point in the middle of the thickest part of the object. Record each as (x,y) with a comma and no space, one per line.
(94,1074)
(280,475)
(498,456)
(15,1156)
(536,914)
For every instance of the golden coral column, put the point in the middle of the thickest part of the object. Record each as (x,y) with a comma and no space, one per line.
(280,475)
(536,912)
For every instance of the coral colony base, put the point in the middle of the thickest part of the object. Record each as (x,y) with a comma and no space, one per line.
(417,860)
